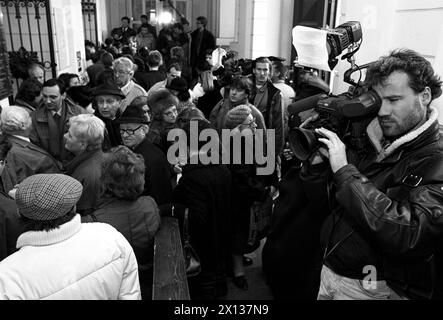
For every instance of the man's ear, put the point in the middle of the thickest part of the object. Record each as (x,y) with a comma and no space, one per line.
(145,129)
(64,95)
(426,96)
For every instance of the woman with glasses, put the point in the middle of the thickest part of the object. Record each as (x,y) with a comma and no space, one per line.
(164,117)
(123,206)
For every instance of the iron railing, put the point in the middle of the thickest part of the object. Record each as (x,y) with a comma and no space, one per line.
(29,36)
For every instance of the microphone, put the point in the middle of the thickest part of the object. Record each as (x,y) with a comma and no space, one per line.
(305,104)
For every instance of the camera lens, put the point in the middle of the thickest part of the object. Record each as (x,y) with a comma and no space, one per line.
(303,143)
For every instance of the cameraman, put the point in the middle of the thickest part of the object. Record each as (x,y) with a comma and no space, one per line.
(384,237)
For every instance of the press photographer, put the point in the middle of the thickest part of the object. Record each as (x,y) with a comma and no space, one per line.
(384,186)
(388,206)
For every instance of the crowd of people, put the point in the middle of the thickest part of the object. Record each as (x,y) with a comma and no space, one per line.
(111,135)
(87,167)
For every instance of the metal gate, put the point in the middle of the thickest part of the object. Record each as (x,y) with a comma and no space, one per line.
(28,33)
(89,9)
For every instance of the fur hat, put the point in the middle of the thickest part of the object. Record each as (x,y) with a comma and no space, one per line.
(237,116)
(160,101)
(46,197)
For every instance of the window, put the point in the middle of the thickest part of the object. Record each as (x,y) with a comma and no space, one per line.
(153,8)
(148,7)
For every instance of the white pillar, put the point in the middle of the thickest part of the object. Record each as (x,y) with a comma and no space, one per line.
(227,22)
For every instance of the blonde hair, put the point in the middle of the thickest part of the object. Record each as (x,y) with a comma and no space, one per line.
(89,129)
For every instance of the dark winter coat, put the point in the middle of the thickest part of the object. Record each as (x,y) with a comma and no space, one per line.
(112,137)
(271,108)
(157,174)
(10,226)
(138,221)
(207,42)
(87,168)
(149,78)
(23,160)
(205,190)
(292,258)
(47,136)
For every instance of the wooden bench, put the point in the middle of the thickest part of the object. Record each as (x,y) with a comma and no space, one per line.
(170,281)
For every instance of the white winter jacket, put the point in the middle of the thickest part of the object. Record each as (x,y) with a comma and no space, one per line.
(74,262)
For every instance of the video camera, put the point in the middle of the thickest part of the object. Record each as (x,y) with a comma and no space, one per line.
(232,67)
(347,114)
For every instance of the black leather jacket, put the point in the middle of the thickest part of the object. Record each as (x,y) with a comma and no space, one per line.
(390,215)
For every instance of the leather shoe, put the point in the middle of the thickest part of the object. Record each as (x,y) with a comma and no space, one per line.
(247,261)
(241,282)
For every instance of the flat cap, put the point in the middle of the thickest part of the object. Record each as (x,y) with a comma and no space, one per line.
(46,197)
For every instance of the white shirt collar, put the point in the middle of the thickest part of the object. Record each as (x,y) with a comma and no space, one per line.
(22,138)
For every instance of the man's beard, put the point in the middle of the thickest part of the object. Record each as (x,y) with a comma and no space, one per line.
(394,130)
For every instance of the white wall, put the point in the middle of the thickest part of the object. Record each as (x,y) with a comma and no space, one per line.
(272,28)
(387,25)
(67,22)
(227,19)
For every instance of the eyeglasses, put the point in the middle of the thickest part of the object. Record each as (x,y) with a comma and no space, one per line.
(120,73)
(171,113)
(130,132)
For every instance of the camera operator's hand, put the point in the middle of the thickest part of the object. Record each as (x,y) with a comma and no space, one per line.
(336,148)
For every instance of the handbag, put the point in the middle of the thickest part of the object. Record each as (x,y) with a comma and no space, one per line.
(260,219)
(192,260)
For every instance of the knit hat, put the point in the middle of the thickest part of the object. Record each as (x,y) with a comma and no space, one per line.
(108,89)
(47,196)
(237,116)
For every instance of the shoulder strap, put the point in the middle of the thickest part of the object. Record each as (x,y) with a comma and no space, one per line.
(186,236)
